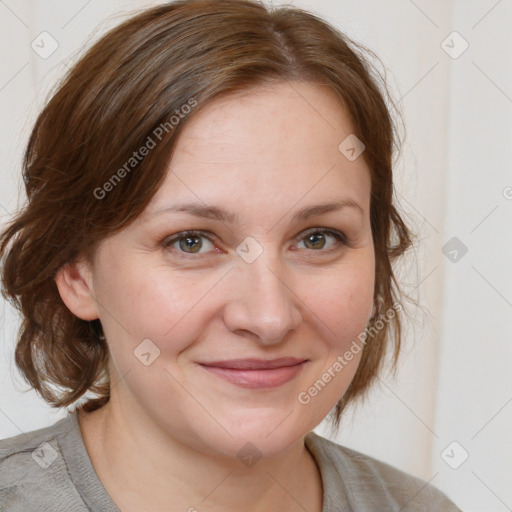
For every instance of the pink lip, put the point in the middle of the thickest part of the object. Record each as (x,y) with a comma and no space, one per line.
(257,373)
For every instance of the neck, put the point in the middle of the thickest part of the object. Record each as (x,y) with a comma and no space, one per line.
(143,467)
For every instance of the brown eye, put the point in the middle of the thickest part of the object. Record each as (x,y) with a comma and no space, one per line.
(188,242)
(317,239)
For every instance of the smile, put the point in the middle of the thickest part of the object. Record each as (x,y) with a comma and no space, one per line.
(257,373)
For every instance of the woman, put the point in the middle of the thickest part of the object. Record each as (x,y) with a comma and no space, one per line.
(206,257)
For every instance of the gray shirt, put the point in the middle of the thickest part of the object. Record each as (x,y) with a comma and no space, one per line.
(49,470)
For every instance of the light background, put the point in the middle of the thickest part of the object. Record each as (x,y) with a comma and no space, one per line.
(454,179)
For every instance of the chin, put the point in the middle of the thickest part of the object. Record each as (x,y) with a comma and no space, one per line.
(265,434)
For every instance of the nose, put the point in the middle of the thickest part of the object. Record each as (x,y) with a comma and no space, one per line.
(262,304)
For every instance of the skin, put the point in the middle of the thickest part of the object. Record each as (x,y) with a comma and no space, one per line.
(168,438)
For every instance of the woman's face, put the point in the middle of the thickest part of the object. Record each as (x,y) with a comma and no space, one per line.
(192,321)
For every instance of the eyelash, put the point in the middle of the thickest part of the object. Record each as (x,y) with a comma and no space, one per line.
(338,235)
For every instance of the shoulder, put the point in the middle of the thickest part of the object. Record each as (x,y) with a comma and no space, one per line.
(369,483)
(33,470)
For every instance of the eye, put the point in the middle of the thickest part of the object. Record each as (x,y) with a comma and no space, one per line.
(316,239)
(189,242)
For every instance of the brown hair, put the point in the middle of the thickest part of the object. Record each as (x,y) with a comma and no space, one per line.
(125,88)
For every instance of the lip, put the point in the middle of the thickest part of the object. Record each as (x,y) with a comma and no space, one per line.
(257,373)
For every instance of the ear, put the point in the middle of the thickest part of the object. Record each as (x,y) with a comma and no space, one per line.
(74,281)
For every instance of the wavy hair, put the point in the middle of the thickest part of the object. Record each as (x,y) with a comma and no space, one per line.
(129,83)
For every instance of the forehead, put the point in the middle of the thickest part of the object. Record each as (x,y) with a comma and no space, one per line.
(275,144)
(274,117)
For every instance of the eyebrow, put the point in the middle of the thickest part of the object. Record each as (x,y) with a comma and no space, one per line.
(221,214)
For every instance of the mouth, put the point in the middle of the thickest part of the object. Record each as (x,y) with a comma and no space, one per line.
(257,373)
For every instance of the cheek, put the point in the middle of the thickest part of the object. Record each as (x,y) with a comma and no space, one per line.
(143,302)
(343,300)
(157,300)
(150,315)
